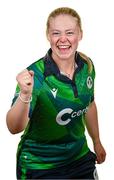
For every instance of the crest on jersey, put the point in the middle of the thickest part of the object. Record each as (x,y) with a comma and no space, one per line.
(89,82)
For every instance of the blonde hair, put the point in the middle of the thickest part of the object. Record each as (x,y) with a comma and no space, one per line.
(63,10)
(73,13)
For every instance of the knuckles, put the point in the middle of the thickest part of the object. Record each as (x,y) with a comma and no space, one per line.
(25,78)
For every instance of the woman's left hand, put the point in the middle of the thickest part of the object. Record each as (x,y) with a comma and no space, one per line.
(100,152)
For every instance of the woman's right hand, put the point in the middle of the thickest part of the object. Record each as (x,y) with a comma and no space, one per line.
(25,81)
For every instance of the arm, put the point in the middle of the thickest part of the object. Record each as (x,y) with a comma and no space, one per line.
(93,130)
(17,116)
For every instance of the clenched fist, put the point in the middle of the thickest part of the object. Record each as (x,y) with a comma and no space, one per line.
(25,81)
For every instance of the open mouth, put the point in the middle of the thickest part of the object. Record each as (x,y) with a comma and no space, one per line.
(64,47)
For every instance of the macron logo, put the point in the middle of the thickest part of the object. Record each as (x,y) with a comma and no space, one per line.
(54,92)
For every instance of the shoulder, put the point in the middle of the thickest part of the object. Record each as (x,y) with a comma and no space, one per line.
(88,61)
(38,68)
(37,65)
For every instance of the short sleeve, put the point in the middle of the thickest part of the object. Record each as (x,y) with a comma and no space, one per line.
(91,82)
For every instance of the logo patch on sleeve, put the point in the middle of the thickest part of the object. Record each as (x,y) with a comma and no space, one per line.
(89,82)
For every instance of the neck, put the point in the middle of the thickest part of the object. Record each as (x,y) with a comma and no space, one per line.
(69,72)
(66,66)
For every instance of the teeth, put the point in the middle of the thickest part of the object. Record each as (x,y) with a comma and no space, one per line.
(63,46)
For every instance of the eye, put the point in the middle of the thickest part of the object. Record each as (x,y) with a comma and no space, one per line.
(70,33)
(56,33)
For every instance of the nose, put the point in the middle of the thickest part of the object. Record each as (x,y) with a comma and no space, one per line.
(63,38)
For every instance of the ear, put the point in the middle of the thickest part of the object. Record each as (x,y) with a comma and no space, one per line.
(80,35)
(48,37)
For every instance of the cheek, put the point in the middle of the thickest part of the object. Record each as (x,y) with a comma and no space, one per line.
(53,41)
(74,41)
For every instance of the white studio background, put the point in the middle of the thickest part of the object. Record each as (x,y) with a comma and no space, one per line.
(23,41)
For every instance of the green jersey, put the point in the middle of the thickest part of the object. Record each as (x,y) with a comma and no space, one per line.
(55,134)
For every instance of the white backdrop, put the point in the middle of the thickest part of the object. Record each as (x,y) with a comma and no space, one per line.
(23,41)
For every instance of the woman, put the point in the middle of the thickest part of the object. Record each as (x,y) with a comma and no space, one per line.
(54,101)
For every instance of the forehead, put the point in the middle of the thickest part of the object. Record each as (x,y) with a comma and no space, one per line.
(63,21)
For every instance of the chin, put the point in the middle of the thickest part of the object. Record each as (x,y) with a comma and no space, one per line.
(64,56)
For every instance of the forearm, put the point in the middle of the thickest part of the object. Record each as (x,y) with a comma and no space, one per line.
(17,116)
(93,130)
(92,123)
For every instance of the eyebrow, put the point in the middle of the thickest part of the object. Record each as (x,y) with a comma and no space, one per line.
(65,30)
(70,29)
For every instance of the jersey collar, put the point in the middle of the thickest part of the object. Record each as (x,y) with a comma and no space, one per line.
(51,68)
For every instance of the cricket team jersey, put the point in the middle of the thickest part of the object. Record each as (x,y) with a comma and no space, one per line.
(55,134)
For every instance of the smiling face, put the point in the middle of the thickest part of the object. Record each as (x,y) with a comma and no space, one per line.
(64,35)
